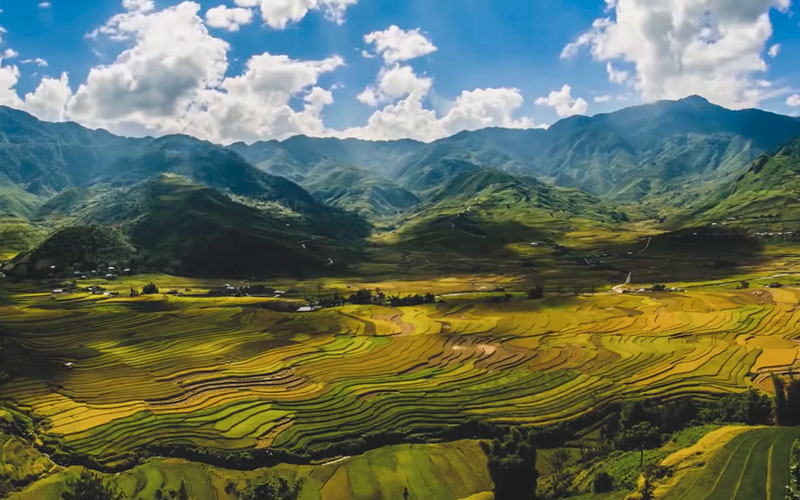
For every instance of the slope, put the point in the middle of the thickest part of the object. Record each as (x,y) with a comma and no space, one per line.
(767,195)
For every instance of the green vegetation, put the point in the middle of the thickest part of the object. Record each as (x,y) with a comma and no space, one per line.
(753,465)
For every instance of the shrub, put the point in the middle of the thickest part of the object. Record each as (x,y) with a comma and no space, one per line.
(603,482)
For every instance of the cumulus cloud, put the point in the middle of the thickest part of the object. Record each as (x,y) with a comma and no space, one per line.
(138,5)
(10,53)
(472,110)
(681,47)
(563,103)
(395,82)
(603,98)
(45,5)
(280,13)
(173,57)
(230,19)
(792,100)
(49,100)
(173,80)
(396,45)
(774,50)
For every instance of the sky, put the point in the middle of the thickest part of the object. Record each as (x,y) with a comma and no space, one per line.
(248,70)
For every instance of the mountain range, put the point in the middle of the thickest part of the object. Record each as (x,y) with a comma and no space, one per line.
(188,206)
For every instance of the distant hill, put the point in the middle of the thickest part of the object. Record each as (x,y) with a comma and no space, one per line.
(359,191)
(173,225)
(626,155)
(766,195)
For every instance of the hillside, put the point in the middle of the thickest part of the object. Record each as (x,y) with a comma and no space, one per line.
(766,196)
(359,191)
(626,155)
(173,225)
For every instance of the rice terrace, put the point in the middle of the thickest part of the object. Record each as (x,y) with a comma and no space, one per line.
(373,250)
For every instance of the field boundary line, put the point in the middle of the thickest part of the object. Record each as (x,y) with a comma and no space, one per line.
(699,476)
(744,469)
(769,470)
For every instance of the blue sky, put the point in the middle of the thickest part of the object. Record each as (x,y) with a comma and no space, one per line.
(511,58)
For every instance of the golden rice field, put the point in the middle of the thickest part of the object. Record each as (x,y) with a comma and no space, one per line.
(231,373)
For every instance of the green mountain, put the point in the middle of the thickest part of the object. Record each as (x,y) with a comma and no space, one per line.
(359,191)
(484,212)
(766,196)
(626,155)
(43,159)
(173,225)
(75,248)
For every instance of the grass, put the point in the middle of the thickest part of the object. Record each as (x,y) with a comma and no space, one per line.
(446,471)
(753,465)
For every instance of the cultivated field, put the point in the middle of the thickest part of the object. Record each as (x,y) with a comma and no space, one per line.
(754,465)
(241,373)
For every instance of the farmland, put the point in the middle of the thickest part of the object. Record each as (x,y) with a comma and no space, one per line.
(753,465)
(112,376)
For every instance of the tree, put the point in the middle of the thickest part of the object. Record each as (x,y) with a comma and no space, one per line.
(271,491)
(603,482)
(558,461)
(641,437)
(512,467)
(780,399)
(793,402)
(150,289)
(89,486)
(361,297)
(558,464)
(536,293)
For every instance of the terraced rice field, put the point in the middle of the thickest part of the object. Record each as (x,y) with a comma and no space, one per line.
(754,465)
(229,373)
(449,471)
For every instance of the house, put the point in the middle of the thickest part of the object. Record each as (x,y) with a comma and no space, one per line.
(307,309)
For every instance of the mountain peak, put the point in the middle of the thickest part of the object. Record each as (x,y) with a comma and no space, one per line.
(694,98)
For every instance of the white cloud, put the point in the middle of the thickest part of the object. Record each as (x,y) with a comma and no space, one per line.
(138,5)
(396,45)
(472,110)
(9,75)
(45,5)
(774,50)
(793,100)
(229,19)
(563,103)
(255,105)
(615,75)
(393,83)
(280,13)
(49,100)
(151,84)
(10,53)
(173,80)
(37,61)
(603,98)
(682,47)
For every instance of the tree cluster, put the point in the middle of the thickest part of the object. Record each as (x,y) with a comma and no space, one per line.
(512,466)
(150,289)
(282,490)
(89,486)
(787,400)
